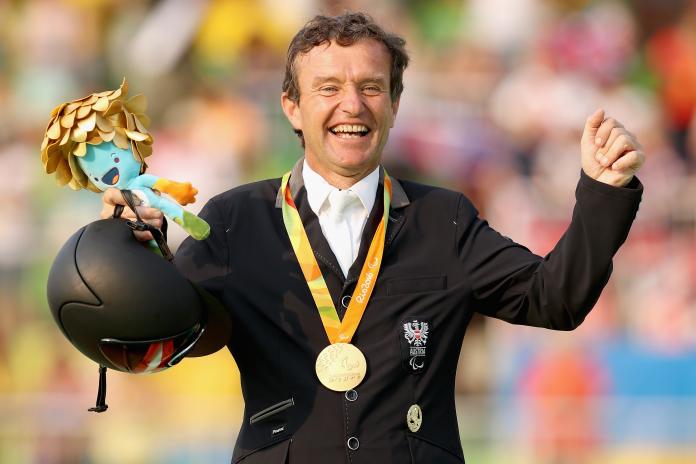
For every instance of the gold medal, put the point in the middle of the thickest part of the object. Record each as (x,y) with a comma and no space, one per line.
(341,366)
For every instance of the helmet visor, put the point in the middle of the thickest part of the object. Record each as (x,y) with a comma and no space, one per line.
(140,357)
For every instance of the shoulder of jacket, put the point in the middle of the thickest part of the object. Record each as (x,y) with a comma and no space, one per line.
(427,195)
(259,189)
(439,202)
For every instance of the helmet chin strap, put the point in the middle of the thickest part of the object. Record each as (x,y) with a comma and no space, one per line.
(143,226)
(101,405)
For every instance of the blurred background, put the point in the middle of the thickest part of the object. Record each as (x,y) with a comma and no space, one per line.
(495,100)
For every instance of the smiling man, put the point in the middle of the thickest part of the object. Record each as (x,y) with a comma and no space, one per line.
(350,291)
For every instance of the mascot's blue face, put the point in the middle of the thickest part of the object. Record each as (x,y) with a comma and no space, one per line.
(106,165)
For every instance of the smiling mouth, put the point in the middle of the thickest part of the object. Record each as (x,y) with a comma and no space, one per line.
(349,131)
(111,177)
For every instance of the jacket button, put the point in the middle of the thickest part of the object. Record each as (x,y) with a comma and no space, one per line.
(353,443)
(345,300)
(351,395)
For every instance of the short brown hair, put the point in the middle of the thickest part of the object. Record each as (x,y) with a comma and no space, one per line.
(345,30)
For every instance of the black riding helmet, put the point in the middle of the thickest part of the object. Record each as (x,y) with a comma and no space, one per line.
(128,308)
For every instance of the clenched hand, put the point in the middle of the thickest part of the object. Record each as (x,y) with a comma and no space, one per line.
(609,152)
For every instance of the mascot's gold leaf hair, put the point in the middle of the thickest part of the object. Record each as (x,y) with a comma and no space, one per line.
(97,118)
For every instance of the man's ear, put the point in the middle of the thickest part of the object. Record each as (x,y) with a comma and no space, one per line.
(291,108)
(395,109)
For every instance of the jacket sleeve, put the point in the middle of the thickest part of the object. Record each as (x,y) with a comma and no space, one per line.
(206,262)
(557,291)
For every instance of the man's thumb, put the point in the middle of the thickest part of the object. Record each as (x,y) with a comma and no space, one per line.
(593,122)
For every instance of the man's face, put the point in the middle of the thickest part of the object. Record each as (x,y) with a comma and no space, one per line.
(345,109)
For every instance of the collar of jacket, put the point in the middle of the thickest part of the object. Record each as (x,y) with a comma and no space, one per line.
(296,182)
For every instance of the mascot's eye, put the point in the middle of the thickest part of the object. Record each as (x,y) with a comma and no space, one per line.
(116,160)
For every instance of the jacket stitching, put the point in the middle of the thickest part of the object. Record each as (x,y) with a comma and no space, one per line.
(328,263)
(348,450)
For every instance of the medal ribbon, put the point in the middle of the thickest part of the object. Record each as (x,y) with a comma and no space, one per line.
(336,330)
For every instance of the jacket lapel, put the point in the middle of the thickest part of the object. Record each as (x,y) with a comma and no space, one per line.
(320,246)
(330,269)
(367,236)
(397,217)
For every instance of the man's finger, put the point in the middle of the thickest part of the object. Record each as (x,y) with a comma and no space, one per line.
(152,216)
(153,221)
(142,236)
(605,129)
(632,161)
(615,132)
(110,198)
(622,144)
(149,213)
(113,196)
(593,122)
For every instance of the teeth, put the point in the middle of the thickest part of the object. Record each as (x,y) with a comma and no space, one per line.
(349,128)
(348,135)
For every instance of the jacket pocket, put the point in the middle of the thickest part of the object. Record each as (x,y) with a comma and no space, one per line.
(426,452)
(275,453)
(271,411)
(401,286)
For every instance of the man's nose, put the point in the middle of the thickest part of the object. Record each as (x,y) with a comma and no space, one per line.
(351,101)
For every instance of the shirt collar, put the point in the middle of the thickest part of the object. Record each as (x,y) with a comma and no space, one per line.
(296,182)
(318,189)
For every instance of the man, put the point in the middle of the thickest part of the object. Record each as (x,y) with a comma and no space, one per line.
(424,267)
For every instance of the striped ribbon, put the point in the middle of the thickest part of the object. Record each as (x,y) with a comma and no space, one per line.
(336,330)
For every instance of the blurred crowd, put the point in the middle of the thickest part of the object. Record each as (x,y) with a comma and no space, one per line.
(494,104)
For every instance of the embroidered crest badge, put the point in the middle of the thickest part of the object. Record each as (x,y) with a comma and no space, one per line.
(415,334)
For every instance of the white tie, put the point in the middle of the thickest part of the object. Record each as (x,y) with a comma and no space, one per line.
(340,236)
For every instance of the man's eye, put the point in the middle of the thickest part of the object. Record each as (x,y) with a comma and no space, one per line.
(372,90)
(328,90)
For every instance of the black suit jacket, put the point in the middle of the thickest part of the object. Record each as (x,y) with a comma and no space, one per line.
(441,264)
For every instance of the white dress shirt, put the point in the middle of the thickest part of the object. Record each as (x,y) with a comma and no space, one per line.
(342,229)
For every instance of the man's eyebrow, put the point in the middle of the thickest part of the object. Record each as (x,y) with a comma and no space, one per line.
(322,79)
(378,79)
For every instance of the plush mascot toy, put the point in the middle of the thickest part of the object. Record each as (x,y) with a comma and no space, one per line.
(101,141)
